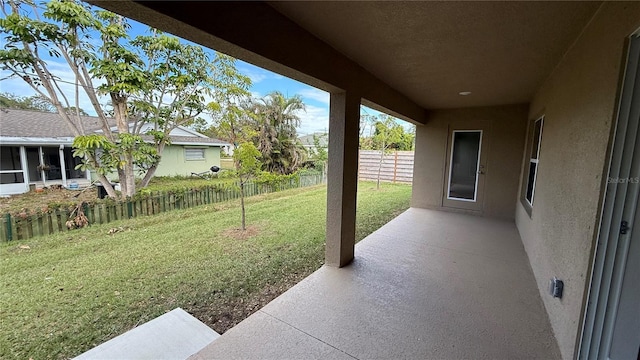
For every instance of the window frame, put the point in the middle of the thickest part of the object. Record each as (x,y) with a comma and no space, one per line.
(203,150)
(532,160)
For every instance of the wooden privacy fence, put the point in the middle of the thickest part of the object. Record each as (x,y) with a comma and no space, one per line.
(17,227)
(397,166)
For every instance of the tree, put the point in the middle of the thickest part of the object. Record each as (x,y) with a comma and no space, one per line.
(182,78)
(35,102)
(246,159)
(233,122)
(64,33)
(277,138)
(154,83)
(318,153)
(387,135)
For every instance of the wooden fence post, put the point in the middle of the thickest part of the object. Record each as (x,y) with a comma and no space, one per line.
(129,209)
(9,227)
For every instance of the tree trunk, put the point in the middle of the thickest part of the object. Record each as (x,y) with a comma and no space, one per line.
(244,216)
(129,176)
(148,176)
(152,170)
(123,184)
(107,186)
(126,174)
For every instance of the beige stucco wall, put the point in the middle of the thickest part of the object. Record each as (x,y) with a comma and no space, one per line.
(503,141)
(578,100)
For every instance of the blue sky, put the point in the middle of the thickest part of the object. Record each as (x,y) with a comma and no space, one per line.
(314,119)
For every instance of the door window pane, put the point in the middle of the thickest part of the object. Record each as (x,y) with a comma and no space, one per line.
(464,165)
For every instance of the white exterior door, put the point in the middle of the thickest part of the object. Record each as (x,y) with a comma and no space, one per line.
(464,177)
(612,322)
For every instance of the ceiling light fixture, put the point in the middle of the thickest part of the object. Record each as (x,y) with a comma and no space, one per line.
(465,93)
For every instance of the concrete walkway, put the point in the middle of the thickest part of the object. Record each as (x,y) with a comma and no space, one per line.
(428,285)
(174,335)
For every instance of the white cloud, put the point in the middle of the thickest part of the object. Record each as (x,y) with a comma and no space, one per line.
(315,119)
(255,74)
(315,94)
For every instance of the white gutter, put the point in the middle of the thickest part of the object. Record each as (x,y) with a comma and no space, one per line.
(20,140)
(198,143)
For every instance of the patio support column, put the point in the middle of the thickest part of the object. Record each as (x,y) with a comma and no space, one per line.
(25,168)
(63,166)
(42,173)
(344,120)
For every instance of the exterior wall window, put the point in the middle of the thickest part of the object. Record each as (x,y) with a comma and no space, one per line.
(534,161)
(10,165)
(194,154)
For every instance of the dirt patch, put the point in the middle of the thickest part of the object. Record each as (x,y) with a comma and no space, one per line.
(222,317)
(40,201)
(239,234)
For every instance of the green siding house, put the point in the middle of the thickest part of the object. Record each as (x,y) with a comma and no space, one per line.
(35,151)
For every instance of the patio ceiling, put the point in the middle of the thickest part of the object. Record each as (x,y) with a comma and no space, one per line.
(431,51)
(401,57)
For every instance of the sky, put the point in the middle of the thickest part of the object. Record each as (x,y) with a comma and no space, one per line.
(314,120)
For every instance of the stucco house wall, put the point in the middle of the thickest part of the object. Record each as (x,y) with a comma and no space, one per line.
(174,161)
(503,140)
(578,101)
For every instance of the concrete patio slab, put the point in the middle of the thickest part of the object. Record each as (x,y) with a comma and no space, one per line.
(174,335)
(428,285)
(270,338)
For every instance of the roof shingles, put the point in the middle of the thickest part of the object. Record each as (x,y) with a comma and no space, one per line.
(37,124)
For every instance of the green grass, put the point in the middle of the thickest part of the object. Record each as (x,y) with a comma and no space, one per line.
(68,293)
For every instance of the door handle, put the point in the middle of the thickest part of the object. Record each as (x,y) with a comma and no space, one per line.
(481,169)
(624,227)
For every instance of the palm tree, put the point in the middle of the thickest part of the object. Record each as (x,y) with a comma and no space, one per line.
(277,139)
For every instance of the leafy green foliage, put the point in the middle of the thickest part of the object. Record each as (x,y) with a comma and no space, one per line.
(248,159)
(276,119)
(99,149)
(36,102)
(387,135)
(318,153)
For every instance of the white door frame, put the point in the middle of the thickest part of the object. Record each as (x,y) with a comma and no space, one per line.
(621,196)
(453,142)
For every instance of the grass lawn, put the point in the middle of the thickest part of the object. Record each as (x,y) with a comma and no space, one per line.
(67,293)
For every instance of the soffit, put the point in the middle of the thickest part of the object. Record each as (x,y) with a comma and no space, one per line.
(430,51)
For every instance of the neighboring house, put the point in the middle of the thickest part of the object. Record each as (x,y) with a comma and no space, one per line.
(36,149)
(526,112)
(309,143)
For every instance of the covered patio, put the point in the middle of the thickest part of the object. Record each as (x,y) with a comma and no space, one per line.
(544,98)
(429,284)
